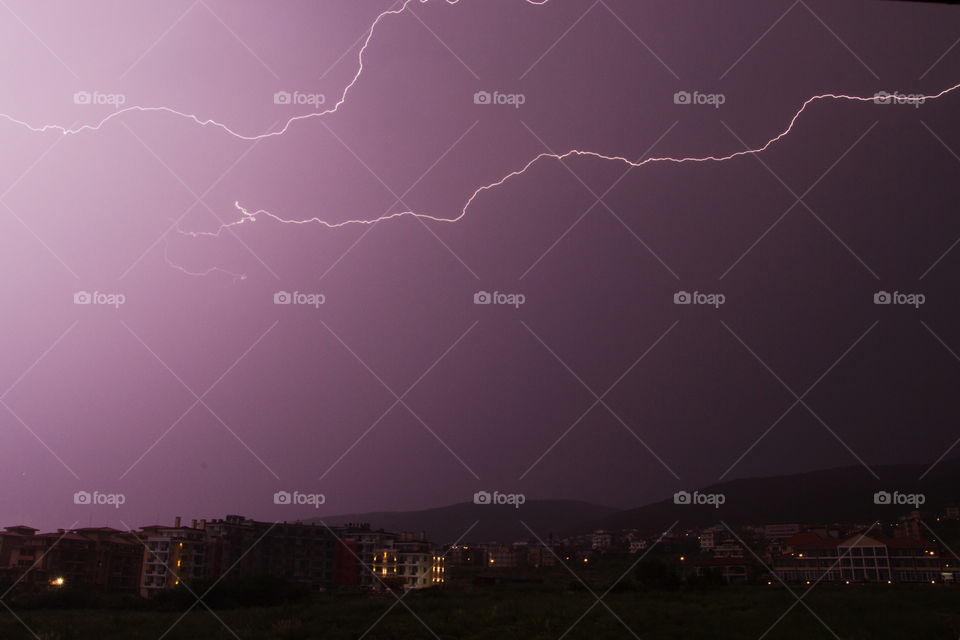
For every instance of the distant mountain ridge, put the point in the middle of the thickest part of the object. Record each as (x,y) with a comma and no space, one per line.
(843,494)
(502,523)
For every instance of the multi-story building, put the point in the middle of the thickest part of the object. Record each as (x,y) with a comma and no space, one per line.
(419,565)
(466,555)
(781,531)
(858,558)
(173,555)
(369,548)
(601,540)
(541,555)
(239,547)
(100,559)
(504,557)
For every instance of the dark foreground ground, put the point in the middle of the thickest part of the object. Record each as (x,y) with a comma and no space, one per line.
(532,611)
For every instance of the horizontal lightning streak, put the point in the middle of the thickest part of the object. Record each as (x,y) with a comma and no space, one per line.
(251,216)
(219,125)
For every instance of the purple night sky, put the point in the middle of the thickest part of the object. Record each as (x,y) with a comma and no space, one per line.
(199,396)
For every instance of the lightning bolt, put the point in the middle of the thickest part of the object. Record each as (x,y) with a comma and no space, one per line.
(219,125)
(199,274)
(247,216)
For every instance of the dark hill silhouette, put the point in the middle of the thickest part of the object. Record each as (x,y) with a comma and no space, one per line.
(501,523)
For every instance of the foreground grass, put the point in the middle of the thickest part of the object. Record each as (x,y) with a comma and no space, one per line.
(502,612)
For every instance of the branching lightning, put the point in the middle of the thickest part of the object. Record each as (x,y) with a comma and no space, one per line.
(251,216)
(247,216)
(213,123)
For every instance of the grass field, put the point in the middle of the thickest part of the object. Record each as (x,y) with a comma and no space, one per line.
(531,611)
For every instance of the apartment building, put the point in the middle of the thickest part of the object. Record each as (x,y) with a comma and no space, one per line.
(172,555)
(859,558)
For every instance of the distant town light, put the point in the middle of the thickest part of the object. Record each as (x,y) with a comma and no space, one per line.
(57,582)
